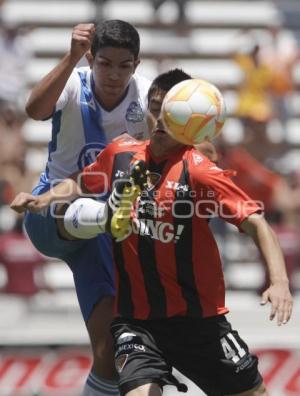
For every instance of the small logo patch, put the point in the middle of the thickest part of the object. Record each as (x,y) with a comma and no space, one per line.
(75,220)
(124,337)
(120,362)
(197,159)
(152,180)
(134,112)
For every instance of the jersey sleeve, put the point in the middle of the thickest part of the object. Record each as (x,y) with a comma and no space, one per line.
(69,91)
(218,195)
(96,176)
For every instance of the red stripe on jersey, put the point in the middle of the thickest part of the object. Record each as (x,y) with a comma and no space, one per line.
(176,304)
(133,268)
(208,269)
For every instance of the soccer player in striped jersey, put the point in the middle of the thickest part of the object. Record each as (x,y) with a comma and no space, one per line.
(170,305)
(89,107)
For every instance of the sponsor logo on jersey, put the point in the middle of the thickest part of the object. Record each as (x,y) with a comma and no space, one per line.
(172,185)
(120,362)
(151,208)
(119,174)
(159,230)
(131,347)
(89,154)
(134,112)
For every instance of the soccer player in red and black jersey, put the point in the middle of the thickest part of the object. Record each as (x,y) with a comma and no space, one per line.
(170,305)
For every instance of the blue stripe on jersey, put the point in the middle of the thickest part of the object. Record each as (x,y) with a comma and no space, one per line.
(52,145)
(95,138)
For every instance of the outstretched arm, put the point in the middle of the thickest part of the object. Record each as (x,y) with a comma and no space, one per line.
(67,190)
(81,218)
(278,293)
(45,94)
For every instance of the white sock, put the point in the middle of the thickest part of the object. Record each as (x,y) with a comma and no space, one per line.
(97,386)
(85,218)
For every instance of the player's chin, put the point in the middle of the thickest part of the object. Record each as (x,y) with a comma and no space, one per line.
(160,133)
(114,91)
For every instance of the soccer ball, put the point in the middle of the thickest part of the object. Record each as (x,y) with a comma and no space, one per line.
(193,110)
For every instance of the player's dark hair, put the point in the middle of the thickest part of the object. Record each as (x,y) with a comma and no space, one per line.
(166,81)
(118,34)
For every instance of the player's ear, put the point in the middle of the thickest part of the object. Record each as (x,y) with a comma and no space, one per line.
(136,63)
(89,58)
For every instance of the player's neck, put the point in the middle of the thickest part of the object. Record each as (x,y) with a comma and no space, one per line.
(158,151)
(108,103)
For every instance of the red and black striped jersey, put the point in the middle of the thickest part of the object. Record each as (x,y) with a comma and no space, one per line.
(170,264)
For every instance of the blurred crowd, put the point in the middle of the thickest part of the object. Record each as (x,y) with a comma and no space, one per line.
(266,161)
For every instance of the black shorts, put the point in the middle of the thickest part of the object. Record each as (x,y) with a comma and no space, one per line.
(207,351)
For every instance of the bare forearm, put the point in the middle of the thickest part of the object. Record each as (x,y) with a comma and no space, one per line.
(278,293)
(269,247)
(268,244)
(65,191)
(45,94)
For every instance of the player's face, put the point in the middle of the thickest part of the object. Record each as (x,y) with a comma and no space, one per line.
(161,142)
(112,69)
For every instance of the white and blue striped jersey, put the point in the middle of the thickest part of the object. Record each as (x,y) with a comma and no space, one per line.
(81,127)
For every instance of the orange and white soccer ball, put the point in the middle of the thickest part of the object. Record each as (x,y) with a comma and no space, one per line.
(193,110)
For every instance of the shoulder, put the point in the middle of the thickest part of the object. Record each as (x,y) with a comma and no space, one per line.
(83,70)
(82,76)
(124,143)
(79,76)
(196,160)
(201,168)
(142,83)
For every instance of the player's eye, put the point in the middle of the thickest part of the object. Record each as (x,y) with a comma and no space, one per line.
(104,63)
(126,65)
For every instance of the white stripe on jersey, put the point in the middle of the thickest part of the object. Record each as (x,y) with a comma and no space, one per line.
(70,148)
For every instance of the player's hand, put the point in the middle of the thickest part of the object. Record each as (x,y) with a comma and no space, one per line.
(24,201)
(281,301)
(82,37)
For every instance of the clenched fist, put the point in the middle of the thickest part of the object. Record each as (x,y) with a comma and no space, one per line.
(82,37)
(30,202)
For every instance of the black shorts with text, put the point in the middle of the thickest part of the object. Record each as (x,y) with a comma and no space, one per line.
(207,351)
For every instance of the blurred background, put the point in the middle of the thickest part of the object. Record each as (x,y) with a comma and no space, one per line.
(251,51)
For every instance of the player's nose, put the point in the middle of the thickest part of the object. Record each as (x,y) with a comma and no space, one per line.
(114,74)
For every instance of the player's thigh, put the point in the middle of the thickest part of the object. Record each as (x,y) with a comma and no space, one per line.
(90,260)
(98,325)
(214,356)
(93,273)
(138,359)
(43,233)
